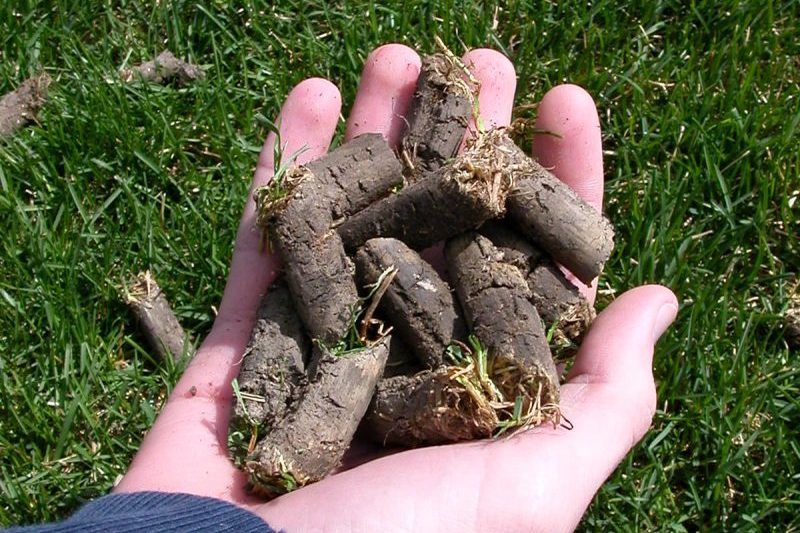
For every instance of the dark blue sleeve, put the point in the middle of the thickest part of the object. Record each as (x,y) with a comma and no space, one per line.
(155,511)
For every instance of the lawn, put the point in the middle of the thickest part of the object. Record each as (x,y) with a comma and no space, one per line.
(700,105)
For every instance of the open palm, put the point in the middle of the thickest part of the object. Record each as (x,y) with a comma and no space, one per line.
(539,479)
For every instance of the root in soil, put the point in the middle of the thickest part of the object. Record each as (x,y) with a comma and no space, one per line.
(496,303)
(438,115)
(474,396)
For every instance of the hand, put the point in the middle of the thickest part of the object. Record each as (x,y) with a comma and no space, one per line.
(539,479)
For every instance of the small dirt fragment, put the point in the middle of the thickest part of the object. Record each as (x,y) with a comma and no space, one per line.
(20,106)
(156,320)
(791,319)
(164,69)
(345,181)
(792,332)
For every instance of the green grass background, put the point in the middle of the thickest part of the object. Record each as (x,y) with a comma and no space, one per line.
(699,105)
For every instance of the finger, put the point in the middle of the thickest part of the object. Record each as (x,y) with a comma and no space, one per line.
(571,147)
(498,83)
(384,93)
(575,153)
(307,120)
(192,428)
(609,399)
(619,347)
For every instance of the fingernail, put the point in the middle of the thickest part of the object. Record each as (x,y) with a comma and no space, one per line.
(666,316)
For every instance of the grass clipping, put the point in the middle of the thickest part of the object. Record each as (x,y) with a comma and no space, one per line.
(497,394)
(452,72)
(271,198)
(487,169)
(287,175)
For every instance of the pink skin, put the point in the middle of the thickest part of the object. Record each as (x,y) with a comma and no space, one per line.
(498,84)
(542,479)
(576,153)
(387,85)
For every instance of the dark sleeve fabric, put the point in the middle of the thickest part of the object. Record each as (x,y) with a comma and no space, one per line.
(155,511)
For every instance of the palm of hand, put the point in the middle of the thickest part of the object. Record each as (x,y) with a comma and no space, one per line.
(543,478)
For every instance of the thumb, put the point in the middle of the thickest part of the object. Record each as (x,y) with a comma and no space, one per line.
(609,399)
(612,378)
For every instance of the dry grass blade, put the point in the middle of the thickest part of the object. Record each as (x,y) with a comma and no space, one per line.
(384,281)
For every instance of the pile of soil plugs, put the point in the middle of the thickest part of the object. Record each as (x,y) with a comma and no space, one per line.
(360,330)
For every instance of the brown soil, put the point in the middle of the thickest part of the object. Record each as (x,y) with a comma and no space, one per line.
(314,435)
(319,273)
(496,303)
(552,215)
(272,375)
(438,116)
(418,303)
(19,107)
(164,69)
(458,197)
(428,408)
(556,299)
(155,317)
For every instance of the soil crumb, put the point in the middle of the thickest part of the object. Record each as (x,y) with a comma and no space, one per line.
(19,107)
(164,69)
